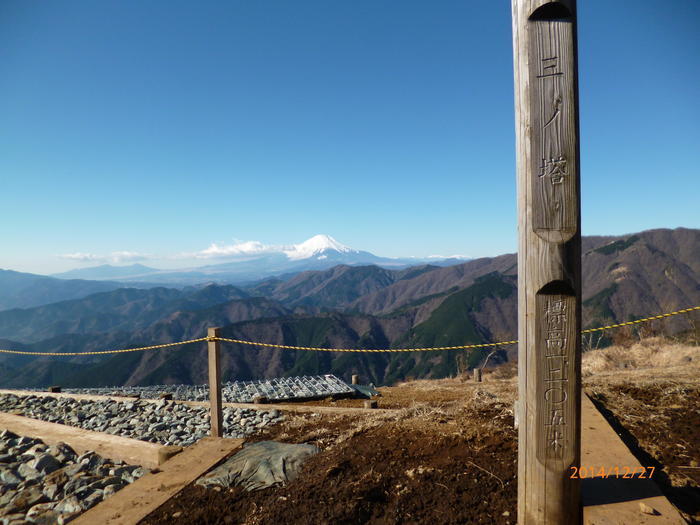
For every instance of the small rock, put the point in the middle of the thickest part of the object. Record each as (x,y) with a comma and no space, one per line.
(69,505)
(25,499)
(139,471)
(75,485)
(6,498)
(92,499)
(646,509)
(103,482)
(62,452)
(109,490)
(74,469)
(46,463)
(7,435)
(36,450)
(91,460)
(51,491)
(42,513)
(119,471)
(28,472)
(57,477)
(13,519)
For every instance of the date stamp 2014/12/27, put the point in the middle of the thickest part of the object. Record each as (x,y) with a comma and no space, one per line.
(623,472)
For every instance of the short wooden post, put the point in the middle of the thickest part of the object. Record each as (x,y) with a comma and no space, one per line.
(477,375)
(216,416)
(549,261)
(355,379)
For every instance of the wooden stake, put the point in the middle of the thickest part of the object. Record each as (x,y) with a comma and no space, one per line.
(216,416)
(477,375)
(549,261)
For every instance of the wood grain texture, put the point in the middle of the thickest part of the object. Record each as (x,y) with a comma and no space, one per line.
(133,451)
(611,501)
(546,493)
(553,144)
(137,500)
(216,415)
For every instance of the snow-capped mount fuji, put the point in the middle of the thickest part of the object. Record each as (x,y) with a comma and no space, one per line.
(253,261)
(318,246)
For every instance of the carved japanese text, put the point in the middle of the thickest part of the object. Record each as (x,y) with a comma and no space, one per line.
(553,148)
(556,388)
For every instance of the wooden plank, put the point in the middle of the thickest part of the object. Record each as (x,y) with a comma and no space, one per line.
(132,451)
(137,500)
(216,417)
(613,500)
(549,257)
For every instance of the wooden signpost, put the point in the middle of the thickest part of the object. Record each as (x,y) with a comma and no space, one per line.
(549,261)
(215,413)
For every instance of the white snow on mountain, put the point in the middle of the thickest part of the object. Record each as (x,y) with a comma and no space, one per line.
(316,245)
(246,261)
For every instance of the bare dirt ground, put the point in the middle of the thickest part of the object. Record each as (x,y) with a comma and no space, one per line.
(447,454)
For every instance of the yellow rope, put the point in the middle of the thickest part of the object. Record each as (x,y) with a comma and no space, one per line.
(684,311)
(318,349)
(154,347)
(461,347)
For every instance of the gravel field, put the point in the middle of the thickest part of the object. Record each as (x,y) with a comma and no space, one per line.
(164,422)
(53,484)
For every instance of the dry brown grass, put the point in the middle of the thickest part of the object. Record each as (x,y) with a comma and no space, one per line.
(444,406)
(646,360)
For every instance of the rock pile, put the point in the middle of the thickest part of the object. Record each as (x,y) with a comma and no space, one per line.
(163,421)
(53,484)
(301,387)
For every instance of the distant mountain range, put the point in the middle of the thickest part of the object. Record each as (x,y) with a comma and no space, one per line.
(317,253)
(108,272)
(24,290)
(624,278)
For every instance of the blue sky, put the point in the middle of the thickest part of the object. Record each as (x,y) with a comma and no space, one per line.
(154,129)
